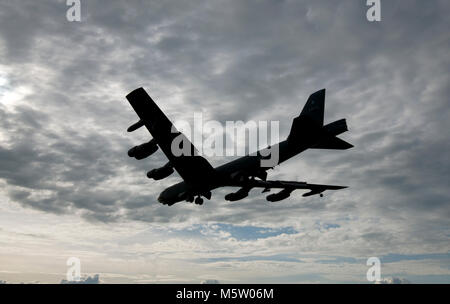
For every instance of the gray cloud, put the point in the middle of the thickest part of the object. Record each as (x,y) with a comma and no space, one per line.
(393,281)
(210,282)
(95,279)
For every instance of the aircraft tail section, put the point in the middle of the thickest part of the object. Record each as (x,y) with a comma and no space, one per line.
(330,141)
(308,124)
(315,107)
(308,127)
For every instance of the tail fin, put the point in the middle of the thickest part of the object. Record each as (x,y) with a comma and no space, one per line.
(315,107)
(310,120)
(308,126)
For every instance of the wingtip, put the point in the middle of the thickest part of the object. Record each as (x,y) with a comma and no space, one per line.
(139,90)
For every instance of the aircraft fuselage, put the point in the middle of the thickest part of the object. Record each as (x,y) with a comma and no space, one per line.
(227,174)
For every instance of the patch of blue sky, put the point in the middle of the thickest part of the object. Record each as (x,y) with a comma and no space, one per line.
(251,258)
(393,257)
(339,260)
(326,226)
(244,233)
(429,279)
(389,258)
(241,233)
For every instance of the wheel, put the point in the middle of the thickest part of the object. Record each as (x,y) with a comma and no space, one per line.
(321,195)
(199,200)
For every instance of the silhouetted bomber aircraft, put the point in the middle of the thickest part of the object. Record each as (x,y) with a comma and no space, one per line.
(199,177)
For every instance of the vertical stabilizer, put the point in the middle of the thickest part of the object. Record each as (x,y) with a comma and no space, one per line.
(315,107)
(310,120)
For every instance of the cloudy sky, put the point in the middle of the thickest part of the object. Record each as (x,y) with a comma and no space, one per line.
(68,188)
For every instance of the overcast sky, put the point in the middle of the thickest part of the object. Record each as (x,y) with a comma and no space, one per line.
(68,188)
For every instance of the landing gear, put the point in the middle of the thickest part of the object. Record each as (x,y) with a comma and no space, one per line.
(321,195)
(198,200)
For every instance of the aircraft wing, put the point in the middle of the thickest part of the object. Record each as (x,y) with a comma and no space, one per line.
(289,186)
(192,168)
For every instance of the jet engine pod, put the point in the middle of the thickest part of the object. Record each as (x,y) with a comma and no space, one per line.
(160,173)
(135,126)
(238,195)
(285,193)
(144,150)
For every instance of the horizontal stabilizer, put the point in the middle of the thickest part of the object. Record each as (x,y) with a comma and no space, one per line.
(333,143)
(337,127)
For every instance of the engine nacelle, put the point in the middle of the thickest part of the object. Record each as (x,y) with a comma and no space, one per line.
(144,150)
(238,195)
(135,126)
(160,173)
(285,193)
(314,192)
